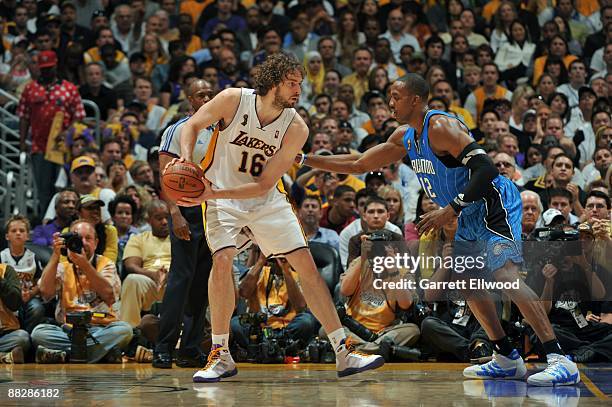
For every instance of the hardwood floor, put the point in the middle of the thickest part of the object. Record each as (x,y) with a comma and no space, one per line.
(426,384)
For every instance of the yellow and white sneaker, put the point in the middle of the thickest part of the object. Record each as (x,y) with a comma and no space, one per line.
(220,366)
(350,361)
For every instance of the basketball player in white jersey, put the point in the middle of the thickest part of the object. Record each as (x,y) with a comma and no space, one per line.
(255,142)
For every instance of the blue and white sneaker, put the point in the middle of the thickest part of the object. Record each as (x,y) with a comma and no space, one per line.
(500,367)
(561,371)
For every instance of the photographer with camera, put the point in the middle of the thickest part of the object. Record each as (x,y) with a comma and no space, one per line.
(371,317)
(570,282)
(88,287)
(271,287)
(375,217)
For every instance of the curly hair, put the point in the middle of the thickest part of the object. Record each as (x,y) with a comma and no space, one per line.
(274,70)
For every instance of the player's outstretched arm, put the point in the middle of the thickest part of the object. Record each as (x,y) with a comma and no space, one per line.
(376,157)
(279,164)
(212,112)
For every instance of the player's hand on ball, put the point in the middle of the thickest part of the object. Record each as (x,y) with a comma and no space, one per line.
(172,162)
(207,194)
(435,220)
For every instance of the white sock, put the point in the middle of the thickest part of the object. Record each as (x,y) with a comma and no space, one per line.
(336,337)
(220,341)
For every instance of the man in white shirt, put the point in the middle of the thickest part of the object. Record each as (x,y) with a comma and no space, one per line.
(396,35)
(359,225)
(577,77)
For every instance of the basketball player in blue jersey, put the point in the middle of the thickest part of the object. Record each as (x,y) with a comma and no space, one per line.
(458,175)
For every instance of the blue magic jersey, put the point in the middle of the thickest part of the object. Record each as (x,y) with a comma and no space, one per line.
(493,222)
(440,182)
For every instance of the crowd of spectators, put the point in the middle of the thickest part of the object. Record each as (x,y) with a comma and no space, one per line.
(530,79)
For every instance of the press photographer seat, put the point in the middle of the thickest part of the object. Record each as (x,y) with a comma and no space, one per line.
(327,261)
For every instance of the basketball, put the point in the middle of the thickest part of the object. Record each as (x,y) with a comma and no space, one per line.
(183,180)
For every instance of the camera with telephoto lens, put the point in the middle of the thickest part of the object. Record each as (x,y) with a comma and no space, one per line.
(354,326)
(72,242)
(78,335)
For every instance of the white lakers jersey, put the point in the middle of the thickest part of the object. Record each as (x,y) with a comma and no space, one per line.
(171,141)
(239,153)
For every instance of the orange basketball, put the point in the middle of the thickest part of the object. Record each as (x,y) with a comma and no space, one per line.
(183,180)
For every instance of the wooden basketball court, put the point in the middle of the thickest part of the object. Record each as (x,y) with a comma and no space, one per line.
(426,384)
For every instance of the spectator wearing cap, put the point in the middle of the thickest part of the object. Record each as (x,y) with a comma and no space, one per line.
(71,31)
(579,127)
(310,215)
(346,137)
(125,89)
(577,79)
(553,217)
(90,210)
(52,24)
(490,89)
(116,65)
(83,179)
(374,180)
(362,62)
(561,200)
(62,107)
(94,89)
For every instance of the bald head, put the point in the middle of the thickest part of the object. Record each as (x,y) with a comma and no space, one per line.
(196,85)
(198,93)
